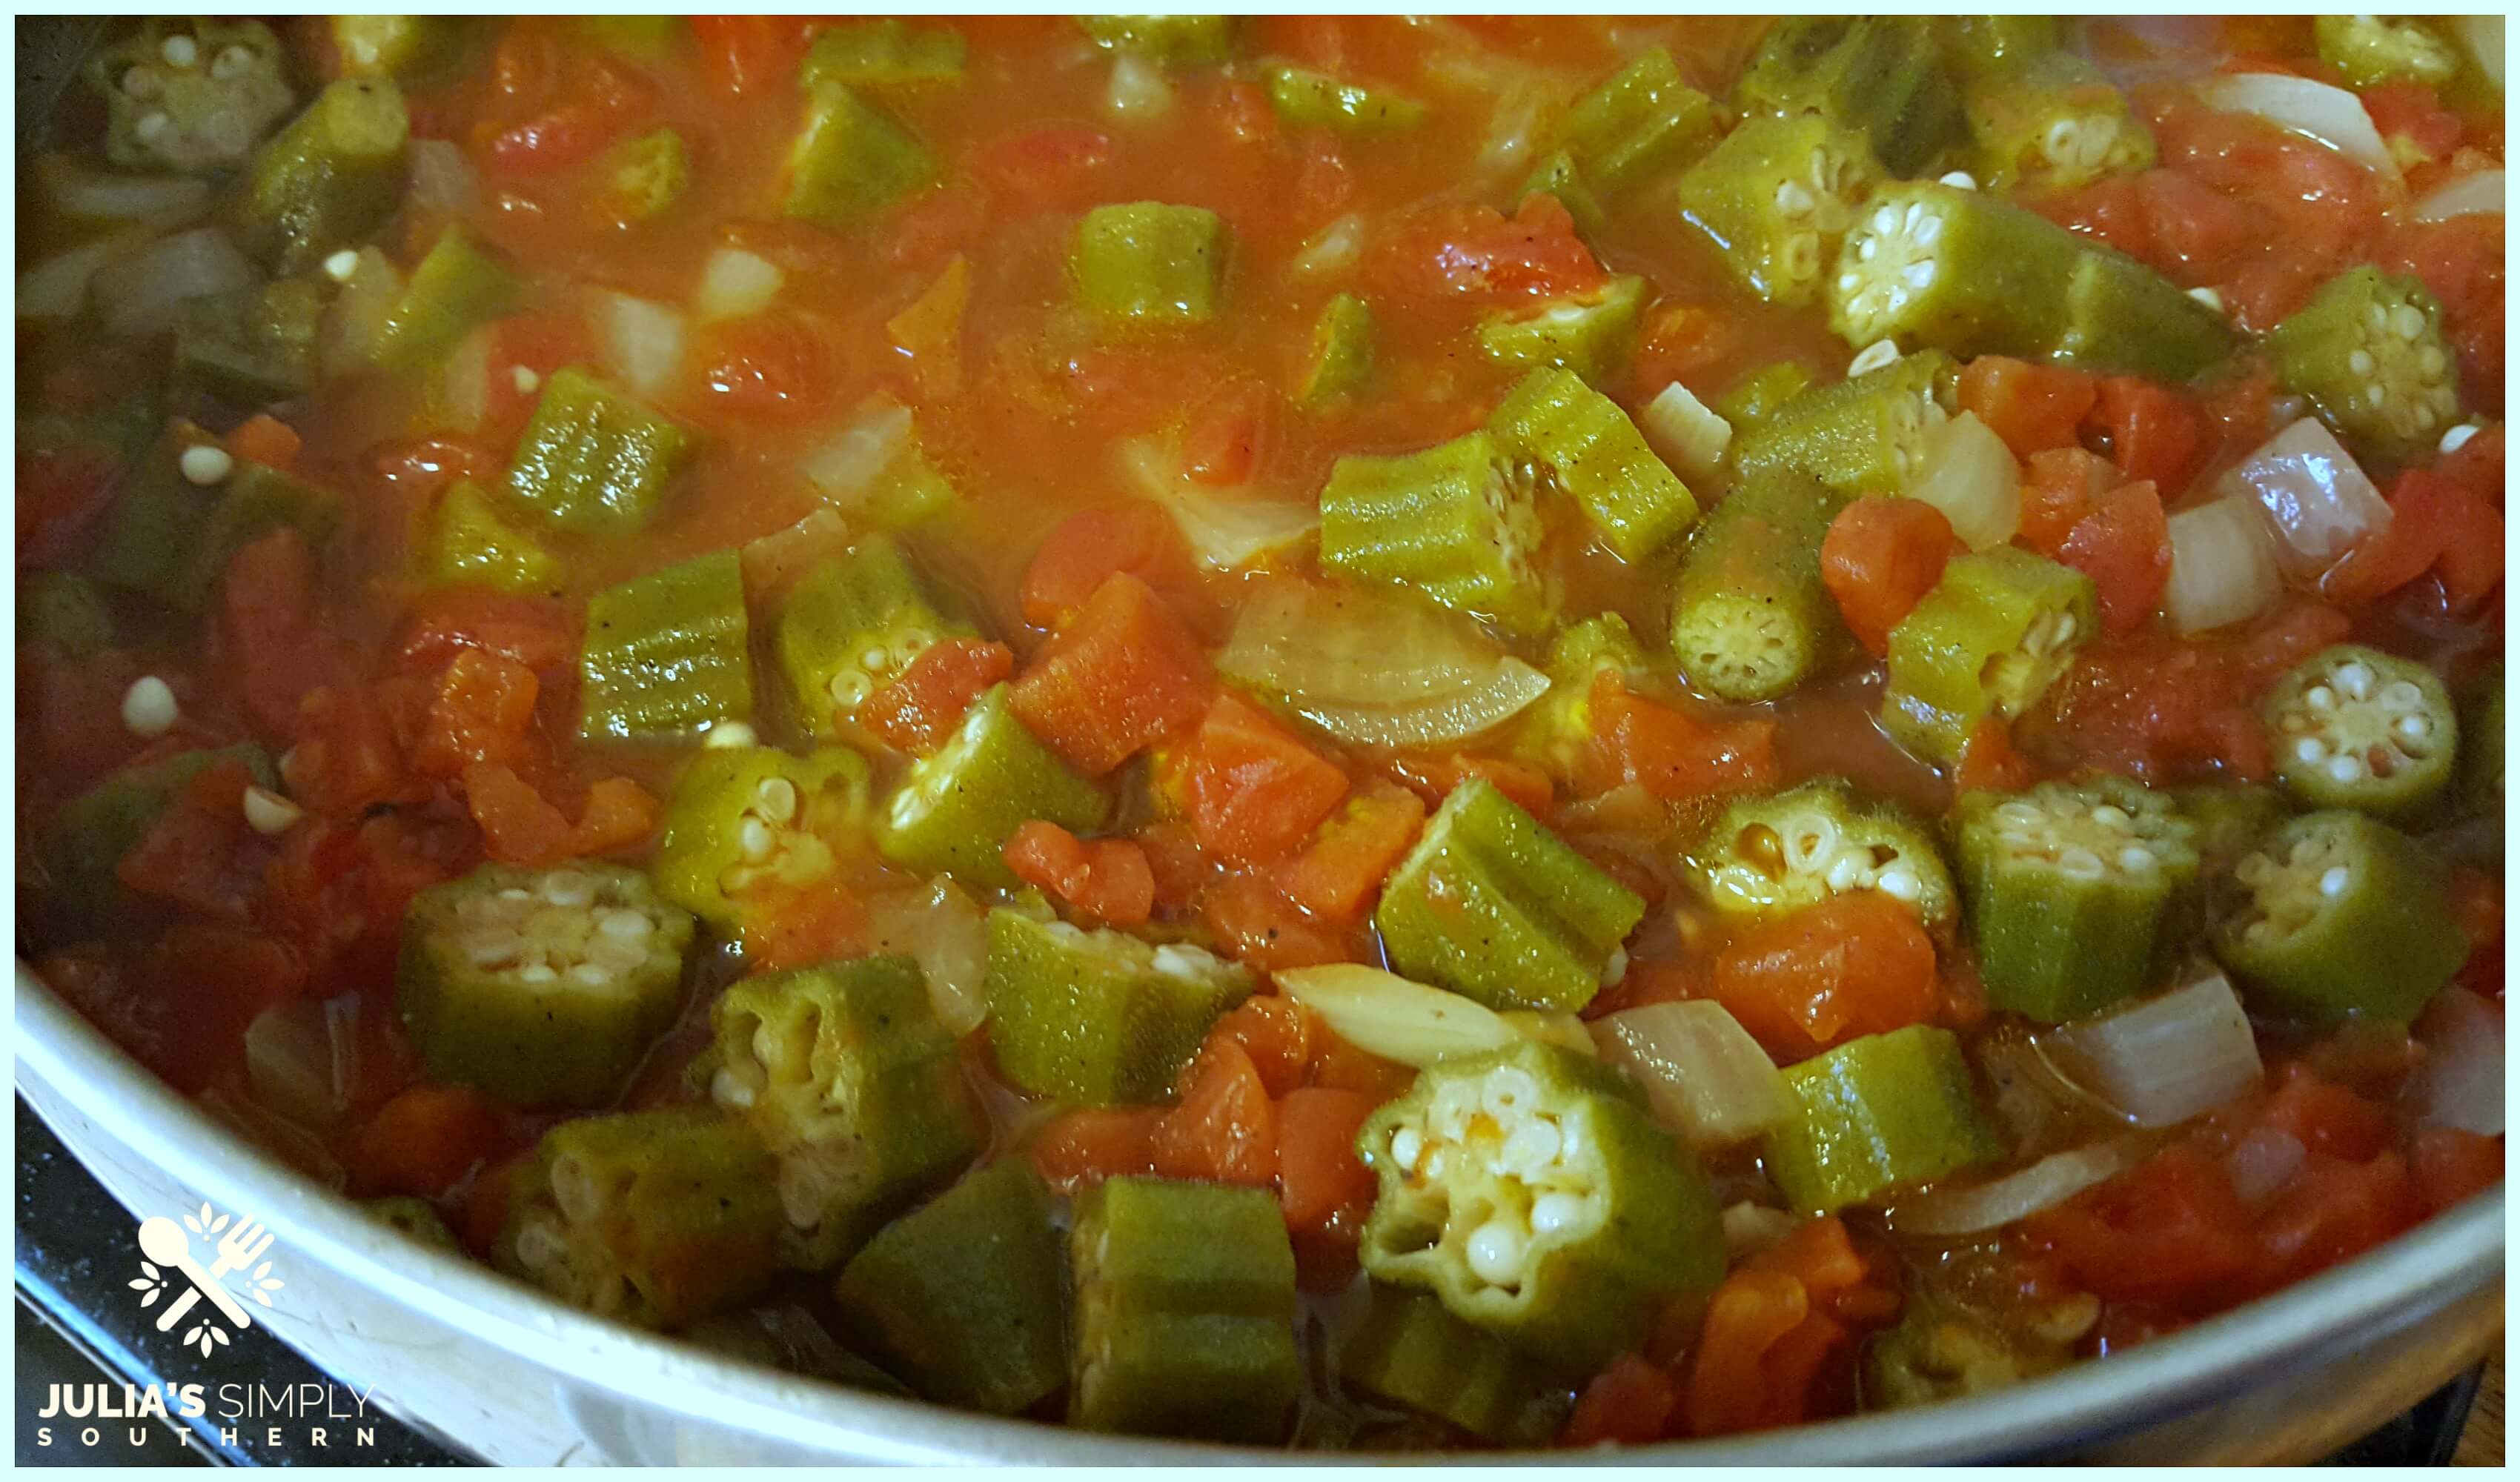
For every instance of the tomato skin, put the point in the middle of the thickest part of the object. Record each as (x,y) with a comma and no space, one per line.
(2409,114)
(1088,547)
(268,637)
(1671,753)
(1041,170)
(1681,341)
(2170,1230)
(1090,1144)
(200,856)
(2151,432)
(1478,252)
(1853,965)
(773,368)
(751,54)
(606,99)
(1276,1033)
(1346,862)
(2032,407)
(2124,546)
(1255,925)
(1989,763)
(426,1139)
(1319,1171)
(926,702)
(2437,523)
(1107,880)
(1878,560)
(1223,1129)
(1225,440)
(534,631)
(482,711)
(1255,791)
(1125,675)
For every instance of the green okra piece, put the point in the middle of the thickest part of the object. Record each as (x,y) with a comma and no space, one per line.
(415,1218)
(332,179)
(666,653)
(592,461)
(1774,855)
(1988,641)
(1458,524)
(1098,1017)
(653,1218)
(1593,334)
(967,1296)
(1411,1352)
(1555,730)
(1863,436)
(466,536)
(1494,907)
(223,88)
(1530,1191)
(882,54)
(1639,122)
(1880,76)
(2355,728)
(542,987)
(2231,819)
(1777,197)
(1150,266)
(156,518)
(1980,44)
(2052,122)
(2480,782)
(851,160)
(1184,1320)
(1341,359)
(1749,616)
(2337,913)
(1582,444)
(253,347)
(1305,99)
(954,811)
(1881,1112)
(88,837)
(253,501)
(2069,886)
(1761,393)
(66,611)
(642,177)
(456,285)
(1165,38)
(2367,51)
(743,819)
(853,1086)
(849,627)
(2369,351)
(2120,316)
(1941,1350)
(644,38)
(404,48)
(1559,175)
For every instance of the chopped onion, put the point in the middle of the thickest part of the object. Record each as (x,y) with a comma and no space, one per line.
(1749,1229)
(2015,1196)
(772,562)
(442,181)
(2483,36)
(292,1064)
(944,929)
(2166,1060)
(735,283)
(1139,91)
(1385,1014)
(1706,1079)
(2221,566)
(1374,668)
(1566,1031)
(2478,193)
(84,192)
(464,383)
(844,469)
(2316,497)
(56,287)
(2330,114)
(2263,1160)
(1331,251)
(642,340)
(1685,430)
(1972,478)
(143,293)
(2461,1083)
(1226,528)
(357,315)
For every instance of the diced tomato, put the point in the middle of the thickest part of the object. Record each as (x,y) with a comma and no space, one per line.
(2060,486)
(1347,860)
(180,1004)
(1046,167)
(482,711)
(1853,965)
(2332,1210)
(2124,546)
(265,439)
(534,631)
(1125,675)
(1258,926)
(2149,432)
(927,701)
(518,825)
(539,345)
(1777,1333)
(749,53)
(1990,762)
(799,927)
(618,814)
(1683,340)
(775,368)
(1090,1144)
(2169,1230)
(424,1139)
(1879,560)
(199,855)
(1224,1131)
(1318,1175)
(2032,407)
(1433,778)
(1088,547)
(604,101)
(1671,753)
(2410,118)
(2325,1117)
(61,493)
(2449,1165)
(1475,250)
(349,754)
(270,637)
(1253,789)
(71,706)
(2438,525)
(1180,869)
(2460,260)
(1276,1033)
(1628,1403)
(1223,443)
(1107,878)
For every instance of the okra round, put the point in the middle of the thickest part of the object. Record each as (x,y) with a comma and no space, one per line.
(1639,122)
(1582,444)
(747,820)
(1878,76)
(1988,641)
(331,179)
(955,811)
(667,654)
(1779,854)
(2052,122)
(1592,334)
(1456,522)
(2356,728)
(1865,434)
(204,115)
(1878,1114)
(2369,351)
(1411,1352)
(592,460)
(1775,198)
(2338,913)
(849,628)
(850,160)
(1098,1017)
(1751,619)
(1150,266)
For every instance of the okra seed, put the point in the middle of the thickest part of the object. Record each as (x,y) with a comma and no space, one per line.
(2311,750)
(528,382)
(1920,275)
(567,887)
(729,1090)
(205,464)
(2207,297)
(1900,885)
(2407,322)
(1495,1252)
(2362,362)
(777,796)
(2414,727)
(1405,1145)
(2432,361)
(148,707)
(516,893)
(2345,769)
(269,813)
(2111,815)
(1847,282)
(537,972)
(728,735)
(1960,180)
(2456,437)
(2136,859)
(755,840)
(591,974)
(1532,1147)
(2319,697)
(2379,314)
(1506,1091)
(1554,1212)
(180,51)
(1867,249)
(2332,883)
(1886,219)
(149,126)
(1792,198)
(2401,694)
(2355,680)
(341,265)
(626,925)
(1930,229)
(141,82)
(2079,862)
(494,948)
(1843,874)
(1874,356)
(231,61)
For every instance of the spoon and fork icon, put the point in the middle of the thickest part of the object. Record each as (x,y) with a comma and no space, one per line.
(164,1240)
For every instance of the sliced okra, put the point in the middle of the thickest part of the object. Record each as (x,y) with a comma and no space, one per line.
(666,653)
(743,821)
(88,837)
(1495,906)
(1098,1017)
(655,1218)
(2121,316)
(1150,266)
(2356,728)
(1560,176)
(542,987)
(592,461)
(2231,819)
(850,160)
(887,53)
(2337,913)
(1411,1352)
(2052,123)
(459,285)
(1456,522)
(331,179)
(1961,271)
(1530,1191)
(2069,886)
(1882,1112)
(1980,44)
(416,1217)
(849,628)
(405,48)
(191,96)
(955,811)
(1639,122)
(1778,854)
(1751,619)
(2368,51)
(1184,1320)
(1878,76)
(65,611)
(1305,99)
(2369,350)
(1987,641)
(1762,393)
(1866,435)
(1593,333)
(1584,446)
(467,536)
(854,1087)
(1775,198)
(644,176)
(1165,38)
(1556,731)
(253,347)
(1341,359)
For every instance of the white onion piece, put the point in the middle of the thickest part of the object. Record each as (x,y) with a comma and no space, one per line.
(844,469)
(290,1062)
(2015,1196)
(1331,251)
(945,931)
(2461,1083)
(56,287)
(2263,1160)
(2478,193)
(1226,528)
(142,293)
(1139,91)
(2222,566)
(2315,496)
(1374,668)
(1706,1079)
(773,562)
(356,317)
(105,196)
(2330,114)
(2483,37)
(1508,690)
(464,383)
(442,181)
(1383,1013)
(1967,473)
(735,283)
(1686,431)
(2167,1059)
(1749,1229)
(642,341)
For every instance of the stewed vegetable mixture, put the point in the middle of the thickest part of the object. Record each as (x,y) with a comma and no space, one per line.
(1367,732)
